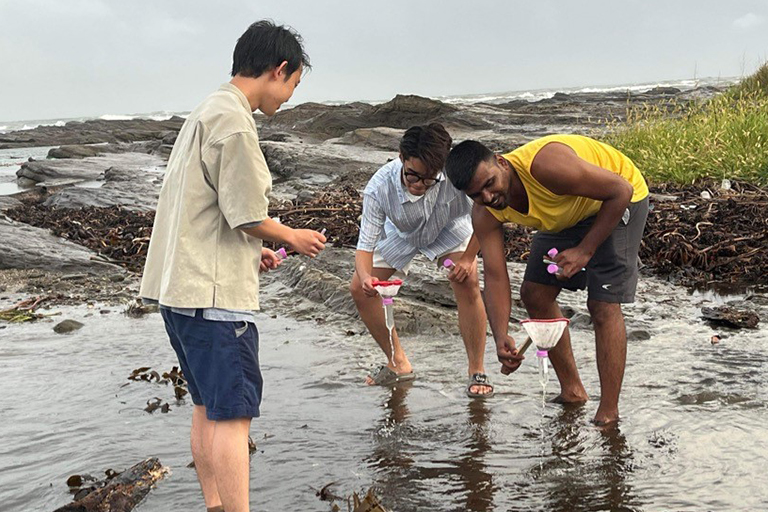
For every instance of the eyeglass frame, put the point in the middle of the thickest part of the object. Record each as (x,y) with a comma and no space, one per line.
(419,178)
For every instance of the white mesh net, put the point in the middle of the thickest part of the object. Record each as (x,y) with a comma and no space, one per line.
(388,288)
(545,333)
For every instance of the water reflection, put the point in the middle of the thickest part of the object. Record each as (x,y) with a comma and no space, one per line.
(441,466)
(471,467)
(589,466)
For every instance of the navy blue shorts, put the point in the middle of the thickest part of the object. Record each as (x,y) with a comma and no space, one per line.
(220,361)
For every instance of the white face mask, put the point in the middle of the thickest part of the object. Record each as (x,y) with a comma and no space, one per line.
(410,197)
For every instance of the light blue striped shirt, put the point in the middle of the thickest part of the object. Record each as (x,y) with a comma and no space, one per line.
(400,228)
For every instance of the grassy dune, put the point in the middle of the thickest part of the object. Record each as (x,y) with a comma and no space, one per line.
(724,137)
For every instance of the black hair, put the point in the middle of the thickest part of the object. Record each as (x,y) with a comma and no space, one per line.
(463,161)
(264,46)
(430,144)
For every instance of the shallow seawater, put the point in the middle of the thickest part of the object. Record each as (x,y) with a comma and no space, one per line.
(692,436)
(10,162)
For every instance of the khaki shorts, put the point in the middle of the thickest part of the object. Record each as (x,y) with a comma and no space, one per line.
(378,261)
(611,274)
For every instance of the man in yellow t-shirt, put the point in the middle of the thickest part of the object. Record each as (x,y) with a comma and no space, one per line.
(588,201)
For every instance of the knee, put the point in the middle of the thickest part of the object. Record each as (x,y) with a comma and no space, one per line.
(356,290)
(602,312)
(531,299)
(470,285)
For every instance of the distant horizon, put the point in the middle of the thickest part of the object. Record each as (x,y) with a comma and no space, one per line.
(709,80)
(86,58)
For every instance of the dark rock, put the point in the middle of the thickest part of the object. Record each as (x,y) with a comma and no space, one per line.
(580,321)
(324,121)
(128,197)
(74,277)
(663,91)
(638,335)
(404,111)
(81,151)
(384,138)
(291,160)
(67,326)
(731,317)
(7,202)
(170,138)
(94,131)
(28,247)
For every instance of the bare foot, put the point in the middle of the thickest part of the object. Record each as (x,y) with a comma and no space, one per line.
(564,398)
(603,419)
(605,423)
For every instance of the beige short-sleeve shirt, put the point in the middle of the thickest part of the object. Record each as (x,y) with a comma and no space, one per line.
(217,179)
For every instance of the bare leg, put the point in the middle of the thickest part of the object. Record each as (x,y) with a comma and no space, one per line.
(201,440)
(372,314)
(472,322)
(231,463)
(611,345)
(540,302)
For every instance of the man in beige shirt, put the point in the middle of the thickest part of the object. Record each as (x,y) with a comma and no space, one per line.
(206,252)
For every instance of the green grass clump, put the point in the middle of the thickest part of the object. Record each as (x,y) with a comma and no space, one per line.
(724,137)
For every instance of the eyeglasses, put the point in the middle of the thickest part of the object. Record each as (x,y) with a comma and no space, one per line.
(412,177)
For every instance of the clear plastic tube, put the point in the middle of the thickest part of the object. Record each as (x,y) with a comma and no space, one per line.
(389,313)
(543,360)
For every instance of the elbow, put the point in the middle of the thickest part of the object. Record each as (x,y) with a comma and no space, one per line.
(624,192)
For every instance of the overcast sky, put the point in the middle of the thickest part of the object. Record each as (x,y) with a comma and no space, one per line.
(71,58)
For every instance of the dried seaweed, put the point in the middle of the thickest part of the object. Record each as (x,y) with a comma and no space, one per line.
(24,311)
(696,241)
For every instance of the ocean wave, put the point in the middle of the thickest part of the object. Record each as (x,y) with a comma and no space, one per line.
(116,117)
(541,94)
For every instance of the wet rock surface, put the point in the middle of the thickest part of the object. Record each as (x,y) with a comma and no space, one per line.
(27,247)
(67,326)
(95,131)
(322,155)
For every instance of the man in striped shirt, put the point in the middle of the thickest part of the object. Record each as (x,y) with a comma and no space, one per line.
(410,208)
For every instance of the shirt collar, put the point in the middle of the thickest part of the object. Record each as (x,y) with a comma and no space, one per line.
(228,87)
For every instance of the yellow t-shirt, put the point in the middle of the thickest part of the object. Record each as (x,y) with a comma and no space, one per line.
(550,212)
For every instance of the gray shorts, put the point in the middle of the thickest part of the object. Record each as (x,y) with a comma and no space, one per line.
(611,274)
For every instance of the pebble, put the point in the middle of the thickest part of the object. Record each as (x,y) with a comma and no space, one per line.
(67,326)
(638,335)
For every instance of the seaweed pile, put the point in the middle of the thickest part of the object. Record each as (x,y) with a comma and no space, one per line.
(117,234)
(337,211)
(697,236)
(710,236)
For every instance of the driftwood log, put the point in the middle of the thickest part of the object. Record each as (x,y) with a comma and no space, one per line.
(122,492)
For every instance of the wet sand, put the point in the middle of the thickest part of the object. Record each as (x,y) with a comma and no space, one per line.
(692,435)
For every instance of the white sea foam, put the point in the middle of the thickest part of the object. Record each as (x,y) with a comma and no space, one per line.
(540,94)
(116,117)
(498,97)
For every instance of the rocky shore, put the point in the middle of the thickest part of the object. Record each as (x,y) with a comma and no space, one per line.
(77,235)
(87,210)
